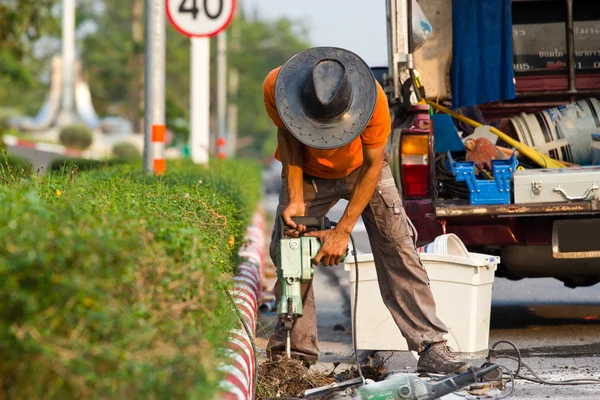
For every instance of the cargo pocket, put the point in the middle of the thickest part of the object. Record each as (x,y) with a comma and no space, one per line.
(389,214)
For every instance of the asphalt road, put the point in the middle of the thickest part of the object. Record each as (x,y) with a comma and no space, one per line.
(556,328)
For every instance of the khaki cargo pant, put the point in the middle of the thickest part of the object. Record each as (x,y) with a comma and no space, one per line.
(403,281)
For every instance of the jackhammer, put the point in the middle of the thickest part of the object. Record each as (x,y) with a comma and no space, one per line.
(295,258)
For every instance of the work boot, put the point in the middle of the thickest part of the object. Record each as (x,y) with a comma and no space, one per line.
(438,358)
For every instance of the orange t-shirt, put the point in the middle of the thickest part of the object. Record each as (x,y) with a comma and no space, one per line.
(340,162)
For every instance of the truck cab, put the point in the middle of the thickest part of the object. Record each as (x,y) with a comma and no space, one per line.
(556,62)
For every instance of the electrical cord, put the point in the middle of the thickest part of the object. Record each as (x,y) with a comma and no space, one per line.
(512,383)
(358,367)
(354,309)
(538,379)
(251,337)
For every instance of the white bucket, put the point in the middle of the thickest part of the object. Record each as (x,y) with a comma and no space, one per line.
(462,291)
(563,133)
(446,245)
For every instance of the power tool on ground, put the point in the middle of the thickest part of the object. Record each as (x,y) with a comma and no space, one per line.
(407,387)
(295,259)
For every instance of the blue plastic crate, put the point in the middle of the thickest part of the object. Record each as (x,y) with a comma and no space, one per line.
(496,191)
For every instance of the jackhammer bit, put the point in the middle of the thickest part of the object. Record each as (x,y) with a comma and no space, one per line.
(287,325)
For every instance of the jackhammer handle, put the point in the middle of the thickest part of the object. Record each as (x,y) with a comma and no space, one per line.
(320,223)
(316,223)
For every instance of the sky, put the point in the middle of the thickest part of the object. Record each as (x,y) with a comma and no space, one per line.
(356,25)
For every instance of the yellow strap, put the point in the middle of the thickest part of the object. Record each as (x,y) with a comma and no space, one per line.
(534,155)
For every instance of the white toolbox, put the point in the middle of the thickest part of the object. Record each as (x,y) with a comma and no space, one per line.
(461,288)
(555,185)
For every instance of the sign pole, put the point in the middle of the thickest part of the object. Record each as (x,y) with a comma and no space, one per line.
(200,99)
(221,92)
(200,21)
(154,86)
(68,59)
(233,91)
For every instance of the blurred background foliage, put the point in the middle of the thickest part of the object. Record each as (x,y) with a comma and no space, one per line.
(110,44)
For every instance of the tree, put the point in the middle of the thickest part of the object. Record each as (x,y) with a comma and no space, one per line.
(264,45)
(111,57)
(22,22)
(26,27)
(114,65)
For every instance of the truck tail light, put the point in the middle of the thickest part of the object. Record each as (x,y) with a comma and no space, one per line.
(415,164)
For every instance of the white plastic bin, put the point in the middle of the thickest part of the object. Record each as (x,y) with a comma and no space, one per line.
(462,290)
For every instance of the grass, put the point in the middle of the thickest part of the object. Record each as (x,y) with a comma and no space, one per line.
(112,281)
(11,165)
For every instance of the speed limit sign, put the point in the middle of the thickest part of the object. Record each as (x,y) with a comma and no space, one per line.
(200,18)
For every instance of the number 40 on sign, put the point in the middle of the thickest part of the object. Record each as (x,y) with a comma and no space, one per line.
(200,18)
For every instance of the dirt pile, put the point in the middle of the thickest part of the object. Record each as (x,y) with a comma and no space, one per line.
(376,373)
(287,377)
(290,378)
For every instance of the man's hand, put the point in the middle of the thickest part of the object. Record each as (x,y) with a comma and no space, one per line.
(334,244)
(294,209)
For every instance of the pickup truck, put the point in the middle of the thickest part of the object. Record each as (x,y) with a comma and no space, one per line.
(521,234)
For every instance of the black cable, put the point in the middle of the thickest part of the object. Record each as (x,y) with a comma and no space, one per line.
(512,383)
(354,309)
(575,381)
(251,337)
(538,379)
(358,367)
(446,182)
(508,342)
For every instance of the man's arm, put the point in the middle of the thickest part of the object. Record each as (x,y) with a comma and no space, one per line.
(335,242)
(290,151)
(364,188)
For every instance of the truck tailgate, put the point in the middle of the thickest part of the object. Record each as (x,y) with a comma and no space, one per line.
(446,209)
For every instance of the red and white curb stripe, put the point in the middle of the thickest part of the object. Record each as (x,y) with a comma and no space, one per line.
(14,141)
(239,372)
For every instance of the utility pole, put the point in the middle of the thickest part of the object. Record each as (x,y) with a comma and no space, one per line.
(221,92)
(232,108)
(68,59)
(154,86)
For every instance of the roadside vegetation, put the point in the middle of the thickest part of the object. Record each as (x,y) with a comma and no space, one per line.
(112,281)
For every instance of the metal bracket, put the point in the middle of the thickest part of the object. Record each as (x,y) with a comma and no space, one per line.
(591,189)
(536,187)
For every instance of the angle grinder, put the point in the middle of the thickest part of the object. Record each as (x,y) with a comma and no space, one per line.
(406,387)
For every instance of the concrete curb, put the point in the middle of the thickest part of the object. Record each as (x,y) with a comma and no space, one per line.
(239,372)
(14,141)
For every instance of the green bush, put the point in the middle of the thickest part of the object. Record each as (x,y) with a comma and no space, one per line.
(83,164)
(126,151)
(13,167)
(4,127)
(76,136)
(112,281)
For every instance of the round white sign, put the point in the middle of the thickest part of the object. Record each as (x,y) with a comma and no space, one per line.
(200,18)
